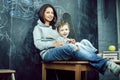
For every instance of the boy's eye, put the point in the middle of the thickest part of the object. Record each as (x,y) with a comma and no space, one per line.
(66,29)
(61,30)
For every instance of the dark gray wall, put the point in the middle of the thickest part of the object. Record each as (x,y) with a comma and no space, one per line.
(107,30)
(18,18)
(107,24)
(118,21)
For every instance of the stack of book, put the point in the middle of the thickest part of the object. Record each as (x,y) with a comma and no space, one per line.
(111,55)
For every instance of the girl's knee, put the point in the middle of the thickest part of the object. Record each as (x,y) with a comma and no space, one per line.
(73,47)
(69,46)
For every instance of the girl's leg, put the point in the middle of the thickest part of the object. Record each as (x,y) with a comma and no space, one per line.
(67,52)
(88,43)
(96,61)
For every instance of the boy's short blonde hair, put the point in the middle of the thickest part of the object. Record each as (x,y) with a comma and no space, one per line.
(61,24)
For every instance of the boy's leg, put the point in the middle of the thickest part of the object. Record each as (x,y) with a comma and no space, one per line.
(88,43)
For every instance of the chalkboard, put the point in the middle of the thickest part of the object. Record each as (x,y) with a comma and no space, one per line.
(17,20)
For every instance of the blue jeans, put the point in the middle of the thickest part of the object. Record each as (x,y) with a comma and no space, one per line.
(67,52)
(87,45)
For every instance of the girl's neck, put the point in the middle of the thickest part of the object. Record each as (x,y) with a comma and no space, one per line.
(47,23)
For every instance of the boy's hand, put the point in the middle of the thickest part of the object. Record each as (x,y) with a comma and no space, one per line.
(73,41)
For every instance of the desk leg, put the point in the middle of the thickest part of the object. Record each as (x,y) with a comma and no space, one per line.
(43,72)
(85,75)
(12,76)
(78,72)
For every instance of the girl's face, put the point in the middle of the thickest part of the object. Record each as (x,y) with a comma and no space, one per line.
(64,31)
(48,15)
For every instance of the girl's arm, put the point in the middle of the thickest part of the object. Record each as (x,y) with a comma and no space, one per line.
(39,42)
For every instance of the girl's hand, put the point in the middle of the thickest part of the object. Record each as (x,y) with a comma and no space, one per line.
(56,44)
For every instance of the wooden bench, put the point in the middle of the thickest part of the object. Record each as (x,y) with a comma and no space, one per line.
(76,66)
(4,73)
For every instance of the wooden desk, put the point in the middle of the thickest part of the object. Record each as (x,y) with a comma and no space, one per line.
(76,66)
(6,72)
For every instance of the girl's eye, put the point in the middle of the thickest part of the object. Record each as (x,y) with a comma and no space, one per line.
(47,12)
(52,13)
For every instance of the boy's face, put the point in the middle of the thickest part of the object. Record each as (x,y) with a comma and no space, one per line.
(64,31)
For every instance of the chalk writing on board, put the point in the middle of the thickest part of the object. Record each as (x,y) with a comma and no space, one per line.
(3,32)
(19,8)
(22,9)
(60,11)
(4,35)
(3,22)
(25,9)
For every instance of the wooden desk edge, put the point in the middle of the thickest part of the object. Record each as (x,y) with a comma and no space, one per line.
(75,62)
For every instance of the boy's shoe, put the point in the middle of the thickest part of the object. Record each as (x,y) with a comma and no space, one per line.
(114,68)
(96,51)
(100,54)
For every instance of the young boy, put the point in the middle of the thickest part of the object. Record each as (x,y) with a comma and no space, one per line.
(63,29)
